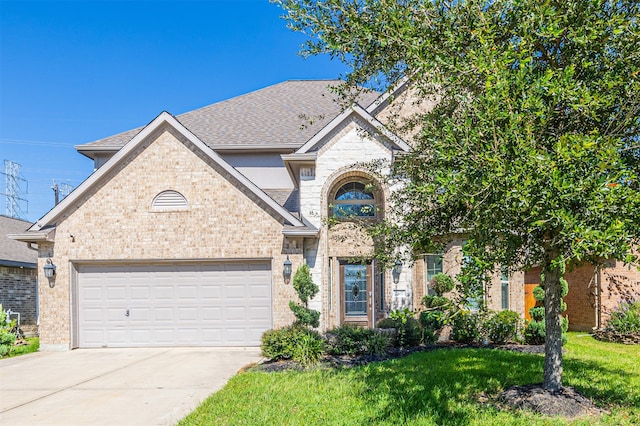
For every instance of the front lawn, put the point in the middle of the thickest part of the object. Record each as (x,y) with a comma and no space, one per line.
(33,344)
(445,386)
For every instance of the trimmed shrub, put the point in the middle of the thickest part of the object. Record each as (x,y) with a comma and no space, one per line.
(293,342)
(466,327)
(306,289)
(304,315)
(625,319)
(442,283)
(348,339)
(433,302)
(386,323)
(535,333)
(502,326)
(409,332)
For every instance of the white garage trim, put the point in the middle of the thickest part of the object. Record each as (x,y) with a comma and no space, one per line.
(171,303)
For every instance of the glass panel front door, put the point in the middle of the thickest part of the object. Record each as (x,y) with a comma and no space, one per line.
(355,290)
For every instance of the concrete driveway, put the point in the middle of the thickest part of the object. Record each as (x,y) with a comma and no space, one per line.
(114,386)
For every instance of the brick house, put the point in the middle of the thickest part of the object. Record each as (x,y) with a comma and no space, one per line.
(594,292)
(180,236)
(18,275)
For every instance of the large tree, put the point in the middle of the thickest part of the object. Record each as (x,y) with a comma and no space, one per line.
(532,148)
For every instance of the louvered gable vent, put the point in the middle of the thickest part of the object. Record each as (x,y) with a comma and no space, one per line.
(169,201)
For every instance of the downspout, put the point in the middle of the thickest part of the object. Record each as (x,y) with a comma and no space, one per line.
(30,245)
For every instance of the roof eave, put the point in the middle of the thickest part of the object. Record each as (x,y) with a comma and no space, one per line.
(305,232)
(47,236)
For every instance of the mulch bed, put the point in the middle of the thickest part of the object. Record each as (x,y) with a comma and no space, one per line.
(568,402)
(333,361)
(614,337)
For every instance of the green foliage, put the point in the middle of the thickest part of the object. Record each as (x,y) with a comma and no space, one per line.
(408,329)
(433,302)
(432,322)
(348,339)
(537,313)
(532,147)
(535,330)
(534,333)
(442,283)
(306,289)
(466,327)
(304,315)
(378,343)
(33,344)
(565,287)
(538,293)
(304,285)
(386,323)
(309,348)
(502,327)
(7,336)
(436,315)
(293,342)
(626,318)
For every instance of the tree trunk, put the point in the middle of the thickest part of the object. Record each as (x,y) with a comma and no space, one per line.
(553,342)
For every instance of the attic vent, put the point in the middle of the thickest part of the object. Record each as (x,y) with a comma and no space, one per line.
(168,201)
(307,173)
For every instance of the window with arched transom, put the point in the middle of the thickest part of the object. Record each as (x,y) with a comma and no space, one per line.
(354,199)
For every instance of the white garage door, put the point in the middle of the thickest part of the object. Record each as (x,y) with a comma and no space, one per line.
(214,304)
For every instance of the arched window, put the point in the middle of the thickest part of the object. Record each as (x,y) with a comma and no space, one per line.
(354,199)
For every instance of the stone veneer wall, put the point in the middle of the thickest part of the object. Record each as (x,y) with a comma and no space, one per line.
(336,161)
(114,222)
(18,292)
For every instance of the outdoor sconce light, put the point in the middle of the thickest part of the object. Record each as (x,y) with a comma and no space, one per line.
(395,272)
(49,271)
(286,270)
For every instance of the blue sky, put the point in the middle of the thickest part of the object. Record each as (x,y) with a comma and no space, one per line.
(72,72)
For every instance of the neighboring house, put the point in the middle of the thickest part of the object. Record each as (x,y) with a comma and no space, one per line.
(180,235)
(18,275)
(594,292)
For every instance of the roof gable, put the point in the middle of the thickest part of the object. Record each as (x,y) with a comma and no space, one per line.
(162,120)
(361,113)
(283,116)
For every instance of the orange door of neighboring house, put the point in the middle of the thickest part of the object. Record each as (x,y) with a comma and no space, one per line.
(529,300)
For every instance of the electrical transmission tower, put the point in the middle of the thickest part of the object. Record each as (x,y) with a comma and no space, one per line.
(16,188)
(60,191)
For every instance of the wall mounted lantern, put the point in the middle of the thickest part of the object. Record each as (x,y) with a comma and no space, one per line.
(286,270)
(49,271)
(395,272)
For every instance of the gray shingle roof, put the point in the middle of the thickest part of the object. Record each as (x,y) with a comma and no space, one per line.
(287,198)
(15,252)
(288,113)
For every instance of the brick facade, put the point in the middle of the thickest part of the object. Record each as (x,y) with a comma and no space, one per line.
(114,222)
(594,293)
(18,292)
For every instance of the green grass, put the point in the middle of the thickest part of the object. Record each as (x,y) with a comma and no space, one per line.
(32,346)
(430,388)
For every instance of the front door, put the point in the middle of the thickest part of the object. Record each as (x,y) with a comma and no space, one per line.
(356,293)
(529,300)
